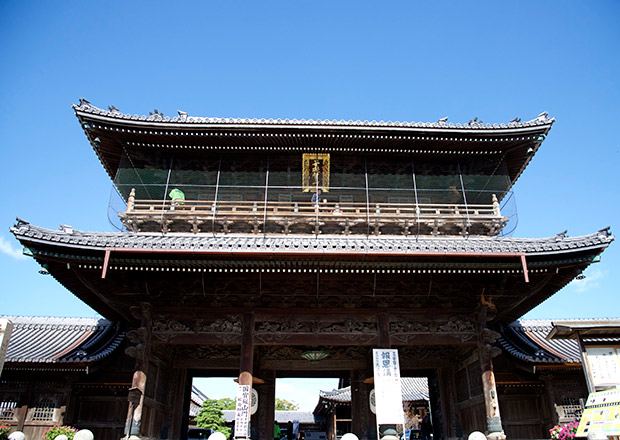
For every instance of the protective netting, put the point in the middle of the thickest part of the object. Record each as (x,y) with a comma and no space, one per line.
(260,182)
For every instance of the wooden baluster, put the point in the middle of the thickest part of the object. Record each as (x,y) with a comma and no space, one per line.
(496,206)
(131,201)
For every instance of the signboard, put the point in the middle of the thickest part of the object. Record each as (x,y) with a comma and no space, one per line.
(6,327)
(315,172)
(388,393)
(602,413)
(242,412)
(605,365)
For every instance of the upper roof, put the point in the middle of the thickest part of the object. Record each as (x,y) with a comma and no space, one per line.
(66,341)
(85,107)
(112,133)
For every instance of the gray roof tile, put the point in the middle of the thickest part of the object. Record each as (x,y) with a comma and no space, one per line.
(412,388)
(61,340)
(86,107)
(526,340)
(397,245)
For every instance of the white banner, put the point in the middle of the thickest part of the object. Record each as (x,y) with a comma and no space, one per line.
(242,412)
(388,394)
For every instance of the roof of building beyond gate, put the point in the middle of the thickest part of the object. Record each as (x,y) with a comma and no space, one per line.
(66,341)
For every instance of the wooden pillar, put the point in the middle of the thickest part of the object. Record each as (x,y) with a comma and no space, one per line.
(550,415)
(179,394)
(363,422)
(486,352)
(383,330)
(247,350)
(141,352)
(586,365)
(247,359)
(265,416)
(449,387)
(356,403)
(450,425)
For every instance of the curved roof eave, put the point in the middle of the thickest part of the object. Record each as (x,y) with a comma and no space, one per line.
(61,341)
(177,122)
(435,137)
(526,340)
(232,244)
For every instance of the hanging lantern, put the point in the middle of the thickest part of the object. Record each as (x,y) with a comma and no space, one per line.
(314,355)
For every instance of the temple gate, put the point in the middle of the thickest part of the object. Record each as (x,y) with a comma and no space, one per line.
(248,245)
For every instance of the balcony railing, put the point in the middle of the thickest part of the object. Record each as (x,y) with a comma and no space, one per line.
(271,217)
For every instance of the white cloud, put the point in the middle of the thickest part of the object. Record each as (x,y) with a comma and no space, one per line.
(591,281)
(284,386)
(7,248)
(303,391)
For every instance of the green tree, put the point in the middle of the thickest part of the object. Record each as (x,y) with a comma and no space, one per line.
(211,416)
(285,405)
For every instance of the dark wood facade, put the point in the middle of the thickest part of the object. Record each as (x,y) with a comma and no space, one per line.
(235,295)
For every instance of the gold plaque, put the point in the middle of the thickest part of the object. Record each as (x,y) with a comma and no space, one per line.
(315,172)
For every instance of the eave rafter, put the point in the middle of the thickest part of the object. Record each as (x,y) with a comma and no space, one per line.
(315,272)
(111,132)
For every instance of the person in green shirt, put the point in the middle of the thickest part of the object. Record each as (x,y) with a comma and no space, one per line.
(178,198)
(276,431)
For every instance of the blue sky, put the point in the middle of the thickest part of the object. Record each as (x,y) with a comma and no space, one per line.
(406,61)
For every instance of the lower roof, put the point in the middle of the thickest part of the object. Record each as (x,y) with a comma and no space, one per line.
(286,244)
(49,341)
(111,271)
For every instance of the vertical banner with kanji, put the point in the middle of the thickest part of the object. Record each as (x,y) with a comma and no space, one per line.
(388,393)
(242,412)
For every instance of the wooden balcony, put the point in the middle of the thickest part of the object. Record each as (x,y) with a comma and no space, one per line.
(271,217)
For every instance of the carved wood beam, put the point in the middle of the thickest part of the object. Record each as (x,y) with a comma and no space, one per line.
(348,339)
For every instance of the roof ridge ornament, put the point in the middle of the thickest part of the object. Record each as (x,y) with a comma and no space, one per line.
(156,116)
(85,103)
(20,223)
